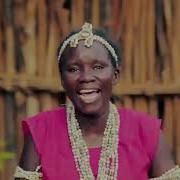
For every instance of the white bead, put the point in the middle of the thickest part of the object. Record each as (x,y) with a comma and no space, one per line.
(109,146)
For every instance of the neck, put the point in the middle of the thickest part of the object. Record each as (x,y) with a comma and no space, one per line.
(93,123)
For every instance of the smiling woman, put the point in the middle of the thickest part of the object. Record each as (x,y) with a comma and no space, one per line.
(90,138)
(88,76)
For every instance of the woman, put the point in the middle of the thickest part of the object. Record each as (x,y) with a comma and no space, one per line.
(90,138)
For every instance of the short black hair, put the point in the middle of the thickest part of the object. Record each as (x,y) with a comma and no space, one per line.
(99,32)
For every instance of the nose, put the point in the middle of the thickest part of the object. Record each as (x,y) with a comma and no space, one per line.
(86,76)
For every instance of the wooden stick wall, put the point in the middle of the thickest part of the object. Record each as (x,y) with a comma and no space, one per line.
(31,30)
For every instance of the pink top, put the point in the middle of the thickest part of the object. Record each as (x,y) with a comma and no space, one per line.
(138,140)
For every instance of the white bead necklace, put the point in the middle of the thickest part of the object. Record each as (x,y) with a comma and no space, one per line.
(108,163)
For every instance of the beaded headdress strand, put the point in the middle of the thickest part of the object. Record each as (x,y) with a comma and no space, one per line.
(87,35)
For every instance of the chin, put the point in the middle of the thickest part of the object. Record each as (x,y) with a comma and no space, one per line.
(96,107)
(89,109)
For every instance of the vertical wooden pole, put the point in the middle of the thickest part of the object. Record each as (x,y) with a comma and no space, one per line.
(128,102)
(176,129)
(150,41)
(81,12)
(2,62)
(164,50)
(153,106)
(30,44)
(55,100)
(105,12)
(140,104)
(63,20)
(52,46)
(2,128)
(9,37)
(128,43)
(168,15)
(116,13)
(168,121)
(32,105)
(10,128)
(2,54)
(20,108)
(46,101)
(176,41)
(143,36)
(41,36)
(95,13)
(19,22)
(136,45)
(77,13)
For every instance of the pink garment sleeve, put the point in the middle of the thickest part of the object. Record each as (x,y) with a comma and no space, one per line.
(36,127)
(150,129)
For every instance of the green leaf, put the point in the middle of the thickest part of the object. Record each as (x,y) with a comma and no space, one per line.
(6,155)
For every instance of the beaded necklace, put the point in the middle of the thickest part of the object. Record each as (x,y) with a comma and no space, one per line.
(108,163)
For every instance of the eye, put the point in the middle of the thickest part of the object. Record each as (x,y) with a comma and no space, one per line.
(98,67)
(73,69)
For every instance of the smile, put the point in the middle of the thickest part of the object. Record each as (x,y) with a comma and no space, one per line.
(89,95)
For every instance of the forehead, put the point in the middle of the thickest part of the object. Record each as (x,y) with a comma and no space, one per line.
(96,52)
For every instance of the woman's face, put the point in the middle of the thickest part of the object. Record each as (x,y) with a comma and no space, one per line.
(88,77)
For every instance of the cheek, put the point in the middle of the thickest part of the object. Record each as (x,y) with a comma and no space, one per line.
(68,82)
(108,76)
(108,82)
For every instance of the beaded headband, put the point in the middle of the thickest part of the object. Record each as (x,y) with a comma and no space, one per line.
(87,35)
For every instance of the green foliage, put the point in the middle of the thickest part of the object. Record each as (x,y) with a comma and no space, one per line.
(4,156)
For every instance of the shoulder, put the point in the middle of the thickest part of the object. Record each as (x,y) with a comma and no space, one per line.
(141,128)
(43,125)
(50,113)
(138,118)
(46,117)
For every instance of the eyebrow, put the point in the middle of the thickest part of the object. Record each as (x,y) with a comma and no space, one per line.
(100,61)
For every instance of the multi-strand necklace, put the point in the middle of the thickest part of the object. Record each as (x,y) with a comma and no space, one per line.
(108,163)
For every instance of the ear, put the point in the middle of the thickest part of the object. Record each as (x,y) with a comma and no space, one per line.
(116,76)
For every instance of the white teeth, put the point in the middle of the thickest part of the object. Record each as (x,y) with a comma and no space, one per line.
(89,98)
(88,95)
(84,91)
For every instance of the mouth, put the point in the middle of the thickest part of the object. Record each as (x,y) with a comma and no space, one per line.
(89,95)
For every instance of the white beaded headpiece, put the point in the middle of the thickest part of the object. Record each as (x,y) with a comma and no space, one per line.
(87,35)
